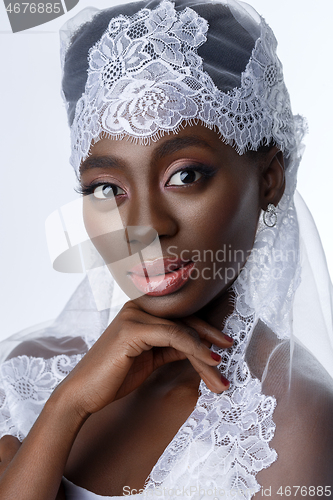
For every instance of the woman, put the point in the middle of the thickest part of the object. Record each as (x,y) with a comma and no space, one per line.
(178,112)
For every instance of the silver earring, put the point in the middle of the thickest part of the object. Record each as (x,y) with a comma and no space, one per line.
(270,217)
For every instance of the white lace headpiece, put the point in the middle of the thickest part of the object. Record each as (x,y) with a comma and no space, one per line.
(146,78)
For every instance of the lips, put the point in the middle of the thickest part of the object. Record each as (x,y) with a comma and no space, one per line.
(161,276)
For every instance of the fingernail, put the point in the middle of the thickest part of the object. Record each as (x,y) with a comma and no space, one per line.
(229,339)
(216,357)
(224,380)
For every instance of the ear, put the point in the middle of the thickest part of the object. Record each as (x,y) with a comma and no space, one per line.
(272,178)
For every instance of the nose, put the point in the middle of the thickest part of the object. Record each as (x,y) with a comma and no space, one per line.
(140,234)
(149,217)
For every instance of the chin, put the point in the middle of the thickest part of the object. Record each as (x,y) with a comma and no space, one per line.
(174,305)
(167,306)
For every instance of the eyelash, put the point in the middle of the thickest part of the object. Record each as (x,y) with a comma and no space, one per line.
(86,190)
(204,170)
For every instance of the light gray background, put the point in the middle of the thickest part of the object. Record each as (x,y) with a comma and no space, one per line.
(36,177)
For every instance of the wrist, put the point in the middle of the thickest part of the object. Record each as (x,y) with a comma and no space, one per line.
(64,405)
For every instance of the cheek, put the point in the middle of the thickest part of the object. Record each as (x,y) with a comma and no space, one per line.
(105,229)
(224,215)
(221,230)
(101,217)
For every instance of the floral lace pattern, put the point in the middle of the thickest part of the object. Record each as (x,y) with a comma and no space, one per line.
(225,441)
(146,78)
(27,384)
(227,433)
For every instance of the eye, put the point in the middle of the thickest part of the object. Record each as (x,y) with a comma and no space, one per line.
(186,176)
(107,191)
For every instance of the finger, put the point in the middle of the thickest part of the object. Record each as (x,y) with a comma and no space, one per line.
(165,355)
(183,339)
(214,380)
(208,332)
(9,446)
(205,330)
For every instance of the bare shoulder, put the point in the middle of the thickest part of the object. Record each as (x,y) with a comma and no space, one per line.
(299,380)
(303,417)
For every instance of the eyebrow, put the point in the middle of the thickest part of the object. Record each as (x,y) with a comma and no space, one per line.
(165,149)
(178,143)
(101,162)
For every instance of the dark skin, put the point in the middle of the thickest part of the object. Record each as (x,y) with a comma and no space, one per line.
(182,214)
(179,213)
(151,358)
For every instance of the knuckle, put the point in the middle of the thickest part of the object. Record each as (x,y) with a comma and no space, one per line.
(127,314)
(130,306)
(189,331)
(137,346)
(131,313)
(196,341)
(130,337)
(184,335)
(174,331)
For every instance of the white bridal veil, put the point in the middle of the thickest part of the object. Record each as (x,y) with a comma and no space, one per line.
(171,54)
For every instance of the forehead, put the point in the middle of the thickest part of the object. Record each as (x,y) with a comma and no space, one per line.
(196,139)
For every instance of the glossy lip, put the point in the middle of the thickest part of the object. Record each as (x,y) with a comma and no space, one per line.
(151,279)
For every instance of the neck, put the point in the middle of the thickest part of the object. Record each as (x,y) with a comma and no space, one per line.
(182,372)
(218,310)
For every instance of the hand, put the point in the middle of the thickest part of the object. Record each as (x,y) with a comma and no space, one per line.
(132,347)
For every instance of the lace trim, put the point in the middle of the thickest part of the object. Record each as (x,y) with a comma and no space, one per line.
(27,383)
(145,79)
(225,441)
(223,444)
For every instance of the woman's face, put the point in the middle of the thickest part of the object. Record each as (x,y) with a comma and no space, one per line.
(196,193)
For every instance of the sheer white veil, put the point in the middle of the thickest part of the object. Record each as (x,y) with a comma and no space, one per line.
(284,285)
